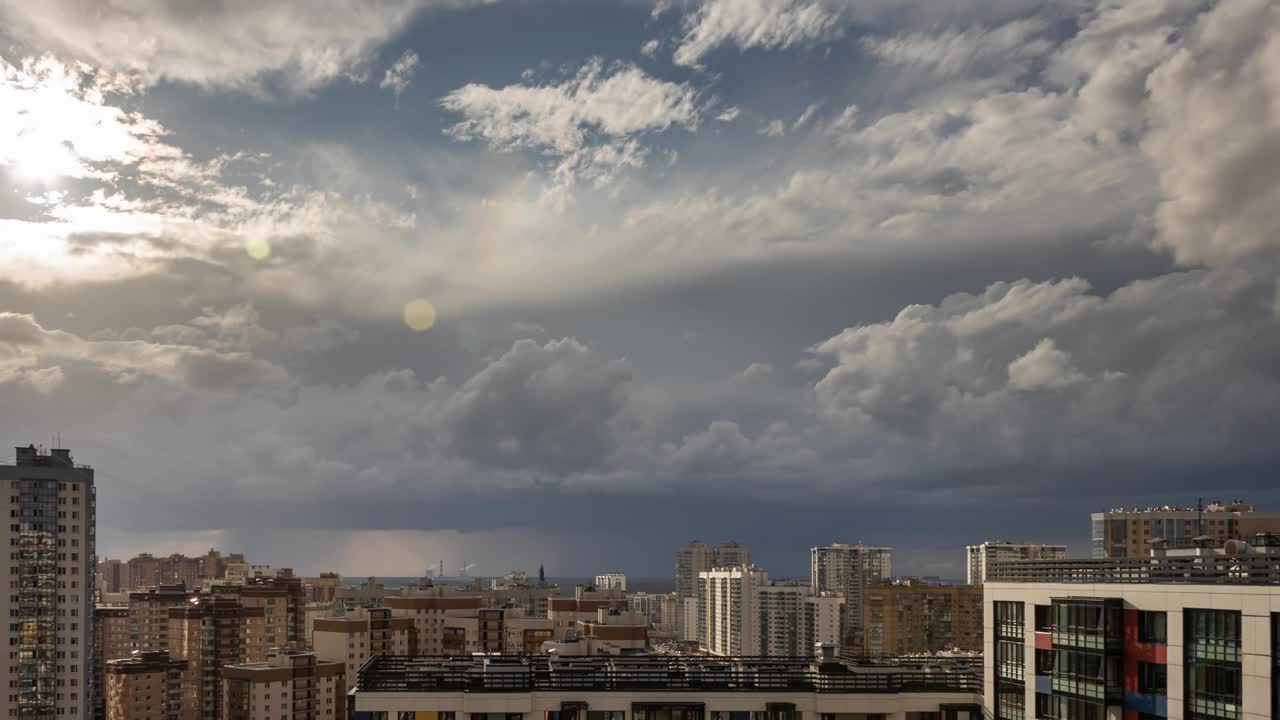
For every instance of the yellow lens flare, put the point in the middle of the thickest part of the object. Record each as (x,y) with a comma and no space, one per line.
(419,315)
(258,249)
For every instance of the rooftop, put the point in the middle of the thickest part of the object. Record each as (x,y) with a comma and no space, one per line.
(1250,569)
(493,673)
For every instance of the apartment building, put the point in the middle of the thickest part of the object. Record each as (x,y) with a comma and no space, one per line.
(110,642)
(283,602)
(793,620)
(612,581)
(693,558)
(111,575)
(149,615)
(354,638)
(1127,533)
(209,633)
(914,618)
(293,684)
(728,610)
(565,612)
(978,557)
(663,688)
(428,613)
(847,570)
(49,576)
(145,686)
(1186,637)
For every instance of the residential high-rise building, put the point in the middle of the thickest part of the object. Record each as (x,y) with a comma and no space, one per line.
(916,618)
(1194,636)
(211,633)
(111,641)
(691,559)
(728,610)
(1122,533)
(363,633)
(283,601)
(611,581)
(847,570)
(48,605)
(149,615)
(144,686)
(112,576)
(978,557)
(292,684)
(730,554)
(792,619)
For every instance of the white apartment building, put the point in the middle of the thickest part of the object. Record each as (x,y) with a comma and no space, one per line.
(848,570)
(49,603)
(292,684)
(612,581)
(792,619)
(1191,637)
(694,557)
(978,557)
(728,611)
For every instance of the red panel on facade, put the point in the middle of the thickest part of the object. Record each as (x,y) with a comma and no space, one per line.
(1044,641)
(1135,652)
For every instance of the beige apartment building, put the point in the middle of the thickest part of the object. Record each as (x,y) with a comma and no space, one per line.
(353,639)
(428,614)
(211,633)
(48,606)
(564,613)
(292,684)
(146,686)
(149,615)
(1127,533)
(110,642)
(911,619)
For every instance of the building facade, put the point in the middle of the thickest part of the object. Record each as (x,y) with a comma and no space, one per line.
(110,642)
(916,618)
(661,688)
(353,639)
(979,557)
(210,634)
(728,610)
(145,686)
(291,684)
(49,602)
(1185,638)
(1127,533)
(612,581)
(847,570)
(692,559)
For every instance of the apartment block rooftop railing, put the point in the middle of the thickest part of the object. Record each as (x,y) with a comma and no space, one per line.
(497,674)
(1245,569)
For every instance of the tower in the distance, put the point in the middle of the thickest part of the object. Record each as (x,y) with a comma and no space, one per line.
(49,605)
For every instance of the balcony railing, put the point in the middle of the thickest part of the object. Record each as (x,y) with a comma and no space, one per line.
(1212,569)
(524,674)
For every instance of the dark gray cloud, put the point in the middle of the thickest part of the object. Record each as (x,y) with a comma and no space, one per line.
(1011,257)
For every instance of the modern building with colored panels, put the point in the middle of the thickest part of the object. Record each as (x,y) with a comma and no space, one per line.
(1184,637)
(663,688)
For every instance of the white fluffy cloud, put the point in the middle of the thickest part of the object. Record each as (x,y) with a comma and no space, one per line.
(238,44)
(768,24)
(592,122)
(401,73)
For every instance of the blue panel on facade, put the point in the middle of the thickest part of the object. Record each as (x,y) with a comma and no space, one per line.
(1044,684)
(1149,704)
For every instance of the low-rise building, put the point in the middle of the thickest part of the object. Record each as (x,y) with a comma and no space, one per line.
(663,688)
(292,684)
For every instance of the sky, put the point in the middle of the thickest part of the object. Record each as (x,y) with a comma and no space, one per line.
(367,285)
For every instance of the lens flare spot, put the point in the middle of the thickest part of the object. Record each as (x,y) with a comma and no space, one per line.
(419,315)
(258,249)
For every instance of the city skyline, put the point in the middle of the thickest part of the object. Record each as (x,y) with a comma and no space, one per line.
(573,282)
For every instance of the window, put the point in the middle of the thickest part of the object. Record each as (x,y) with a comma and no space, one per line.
(1011,702)
(1044,618)
(1010,663)
(1152,678)
(1212,664)
(1044,662)
(1009,619)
